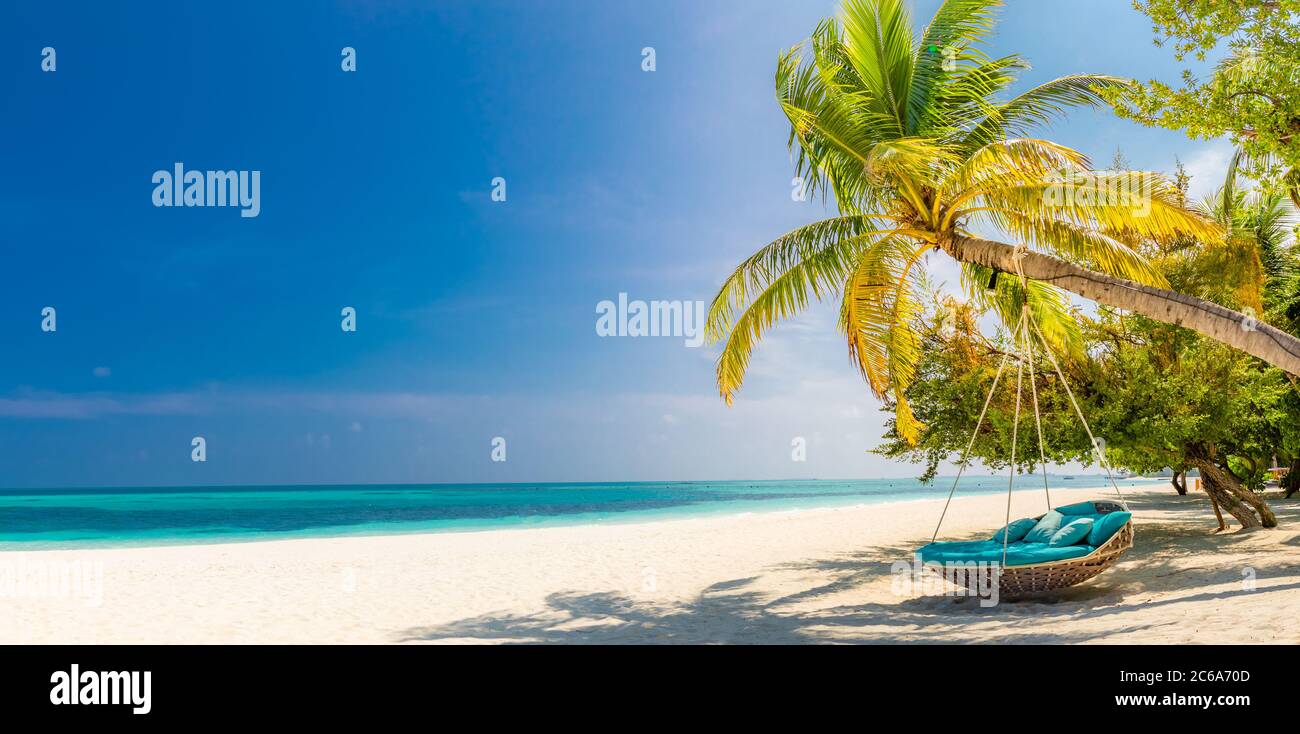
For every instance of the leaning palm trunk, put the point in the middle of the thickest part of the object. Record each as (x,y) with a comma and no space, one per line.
(1238,330)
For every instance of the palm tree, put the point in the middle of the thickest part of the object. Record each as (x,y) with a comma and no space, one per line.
(907,135)
(1260,223)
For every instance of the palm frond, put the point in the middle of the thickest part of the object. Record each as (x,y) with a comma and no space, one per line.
(914,160)
(1009,162)
(1041,105)
(831,128)
(955,32)
(1082,246)
(805,264)
(878,45)
(878,315)
(1137,203)
(1048,306)
(760,271)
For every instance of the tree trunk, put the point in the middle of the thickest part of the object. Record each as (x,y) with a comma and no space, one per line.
(1215,483)
(1179,480)
(1291,481)
(1266,515)
(1258,339)
(1247,495)
(1218,514)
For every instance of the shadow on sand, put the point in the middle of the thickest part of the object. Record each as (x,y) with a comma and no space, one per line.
(1175,532)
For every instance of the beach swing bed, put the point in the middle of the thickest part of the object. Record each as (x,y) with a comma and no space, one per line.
(1060,567)
(1051,575)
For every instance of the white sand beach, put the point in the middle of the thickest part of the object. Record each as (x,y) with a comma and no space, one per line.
(782,577)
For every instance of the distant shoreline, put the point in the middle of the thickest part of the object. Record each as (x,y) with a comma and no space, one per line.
(140,517)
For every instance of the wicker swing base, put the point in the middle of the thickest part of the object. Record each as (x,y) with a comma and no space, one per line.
(1037,578)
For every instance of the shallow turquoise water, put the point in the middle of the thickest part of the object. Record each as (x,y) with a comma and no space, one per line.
(61,518)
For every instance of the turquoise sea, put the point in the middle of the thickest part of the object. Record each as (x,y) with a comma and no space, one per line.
(122,516)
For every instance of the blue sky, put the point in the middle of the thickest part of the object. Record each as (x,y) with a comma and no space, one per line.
(475,318)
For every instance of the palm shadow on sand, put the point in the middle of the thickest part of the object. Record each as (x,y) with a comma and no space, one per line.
(734,611)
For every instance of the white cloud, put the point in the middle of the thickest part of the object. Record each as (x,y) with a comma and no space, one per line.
(1207,166)
(82,406)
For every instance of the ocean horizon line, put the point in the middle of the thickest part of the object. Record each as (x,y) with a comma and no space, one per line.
(547,483)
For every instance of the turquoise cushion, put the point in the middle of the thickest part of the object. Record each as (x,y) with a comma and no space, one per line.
(1046,527)
(1074,531)
(1081,508)
(1019,529)
(1108,525)
(986,551)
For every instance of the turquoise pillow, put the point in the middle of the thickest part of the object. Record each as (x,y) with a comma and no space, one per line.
(1081,508)
(1019,529)
(1108,525)
(1073,532)
(1046,527)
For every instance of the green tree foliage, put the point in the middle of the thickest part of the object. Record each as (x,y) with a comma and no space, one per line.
(1253,93)
(1158,395)
(954,378)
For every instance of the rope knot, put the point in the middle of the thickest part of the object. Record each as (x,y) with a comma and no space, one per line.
(1017,255)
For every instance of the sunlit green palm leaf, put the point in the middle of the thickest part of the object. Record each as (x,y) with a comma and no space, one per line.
(878,315)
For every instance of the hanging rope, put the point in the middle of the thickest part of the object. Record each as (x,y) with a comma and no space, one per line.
(1038,423)
(1020,251)
(965,457)
(1019,340)
(1015,427)
(1023,346)
(1017,255)
(1101,457)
